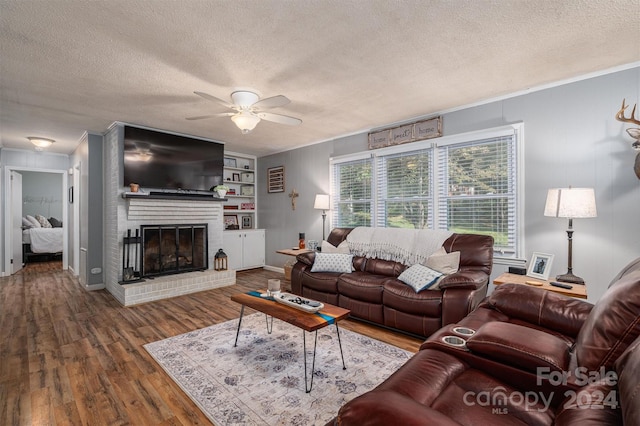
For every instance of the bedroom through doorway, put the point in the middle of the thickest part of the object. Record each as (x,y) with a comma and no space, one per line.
(36,218)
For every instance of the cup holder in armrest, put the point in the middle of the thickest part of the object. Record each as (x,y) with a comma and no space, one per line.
(456,341)
(464,331)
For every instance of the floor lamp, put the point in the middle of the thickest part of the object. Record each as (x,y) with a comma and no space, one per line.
(570,203)
(322,203)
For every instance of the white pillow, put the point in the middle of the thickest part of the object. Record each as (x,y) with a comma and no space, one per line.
(26,223)
(419,277)
(44,222)
(34,221)
(327,247)
(447,263)
(333,262)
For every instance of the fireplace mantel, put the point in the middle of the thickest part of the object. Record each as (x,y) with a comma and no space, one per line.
(172,196)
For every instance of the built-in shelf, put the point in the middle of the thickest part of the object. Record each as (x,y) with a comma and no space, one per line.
(240,176)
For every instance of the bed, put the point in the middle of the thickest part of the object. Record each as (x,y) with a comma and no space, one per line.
(40,241)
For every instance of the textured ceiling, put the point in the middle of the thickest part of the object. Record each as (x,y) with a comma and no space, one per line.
(69,66)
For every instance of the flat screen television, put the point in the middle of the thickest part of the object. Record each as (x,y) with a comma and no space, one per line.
(163,161)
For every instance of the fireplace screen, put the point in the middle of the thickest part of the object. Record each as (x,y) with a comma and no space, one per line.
(173,249)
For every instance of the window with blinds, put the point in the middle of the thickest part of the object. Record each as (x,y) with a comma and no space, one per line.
(465,183)
(477,189)
(404,188)
(351,192)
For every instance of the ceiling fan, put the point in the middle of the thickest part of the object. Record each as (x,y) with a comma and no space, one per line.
(248,109)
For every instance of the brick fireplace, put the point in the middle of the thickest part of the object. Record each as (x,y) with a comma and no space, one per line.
(125,213)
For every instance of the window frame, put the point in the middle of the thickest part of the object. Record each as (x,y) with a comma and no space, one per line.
(515,130)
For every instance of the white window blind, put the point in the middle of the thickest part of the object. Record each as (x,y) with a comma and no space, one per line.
(351,192)
(477,185)
(404,189)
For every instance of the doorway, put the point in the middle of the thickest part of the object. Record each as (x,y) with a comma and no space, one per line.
(14,210)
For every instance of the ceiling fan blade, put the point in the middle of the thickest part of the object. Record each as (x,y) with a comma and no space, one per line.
(272,102)
(214,99)
(222,114)
(279,118)
(200,117)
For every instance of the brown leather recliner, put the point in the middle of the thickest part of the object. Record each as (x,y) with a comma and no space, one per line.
(535,358)
(373,293)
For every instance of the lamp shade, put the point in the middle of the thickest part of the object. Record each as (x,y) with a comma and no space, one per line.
(571,203)
(245,121)
(322,202)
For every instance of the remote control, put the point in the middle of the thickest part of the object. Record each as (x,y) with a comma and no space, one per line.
(561,285)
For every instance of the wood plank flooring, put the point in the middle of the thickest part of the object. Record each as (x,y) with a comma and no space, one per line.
(72,357)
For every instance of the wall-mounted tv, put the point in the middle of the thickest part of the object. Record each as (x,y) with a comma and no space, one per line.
(157,160)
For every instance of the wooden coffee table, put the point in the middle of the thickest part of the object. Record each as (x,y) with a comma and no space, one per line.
(308,322)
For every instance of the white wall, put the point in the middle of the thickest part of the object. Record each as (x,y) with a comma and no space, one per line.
(571,138)
(42,194)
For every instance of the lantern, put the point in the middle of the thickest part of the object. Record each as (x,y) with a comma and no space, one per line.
(220,261)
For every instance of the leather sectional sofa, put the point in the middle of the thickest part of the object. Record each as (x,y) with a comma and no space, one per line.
(532,357)
(373,292)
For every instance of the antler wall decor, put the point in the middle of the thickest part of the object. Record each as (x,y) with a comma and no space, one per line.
(633,132)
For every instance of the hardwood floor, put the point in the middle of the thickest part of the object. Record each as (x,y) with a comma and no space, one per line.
(72,357)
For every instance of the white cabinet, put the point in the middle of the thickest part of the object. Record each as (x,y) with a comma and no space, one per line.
(240,177)
(244,248)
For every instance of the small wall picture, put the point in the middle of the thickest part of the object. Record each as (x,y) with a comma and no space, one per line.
(246,190)
(540,265)
(231,221)
(247,222)
(230,162)
(236,177)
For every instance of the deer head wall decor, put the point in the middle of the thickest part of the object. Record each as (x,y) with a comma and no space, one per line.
(634,133)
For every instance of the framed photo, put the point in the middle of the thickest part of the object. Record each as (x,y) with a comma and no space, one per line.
(275,179)
(231,221)
(247,190)
(236,177)
(247,177)
(247,222)
(540,265)
(230,162)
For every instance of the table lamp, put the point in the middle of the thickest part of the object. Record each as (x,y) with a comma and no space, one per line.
(322,203)
(570,203)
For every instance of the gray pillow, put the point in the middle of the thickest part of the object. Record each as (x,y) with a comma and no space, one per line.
(55,223)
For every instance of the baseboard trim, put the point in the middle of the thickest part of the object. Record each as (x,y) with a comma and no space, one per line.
(273,269)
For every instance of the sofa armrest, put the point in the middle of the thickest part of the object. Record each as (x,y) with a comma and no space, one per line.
(458,302)
(465,279)
(306,258)
(519,346)
(379,407)
(541,307)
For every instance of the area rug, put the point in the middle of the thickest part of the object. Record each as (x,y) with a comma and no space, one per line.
(261,381)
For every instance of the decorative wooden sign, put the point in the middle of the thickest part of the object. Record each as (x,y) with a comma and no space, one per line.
(379,139)
(421,130)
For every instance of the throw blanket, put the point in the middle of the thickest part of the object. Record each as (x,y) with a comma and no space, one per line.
(407,246)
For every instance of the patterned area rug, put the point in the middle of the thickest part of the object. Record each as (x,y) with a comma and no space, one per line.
(261,381)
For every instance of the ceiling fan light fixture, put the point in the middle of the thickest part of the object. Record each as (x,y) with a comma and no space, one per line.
(245,121)
(40,142)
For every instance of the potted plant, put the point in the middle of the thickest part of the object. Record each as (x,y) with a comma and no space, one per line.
(221,190)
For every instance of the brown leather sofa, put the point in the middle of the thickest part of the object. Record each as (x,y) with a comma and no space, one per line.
(535,358)
(373,293)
